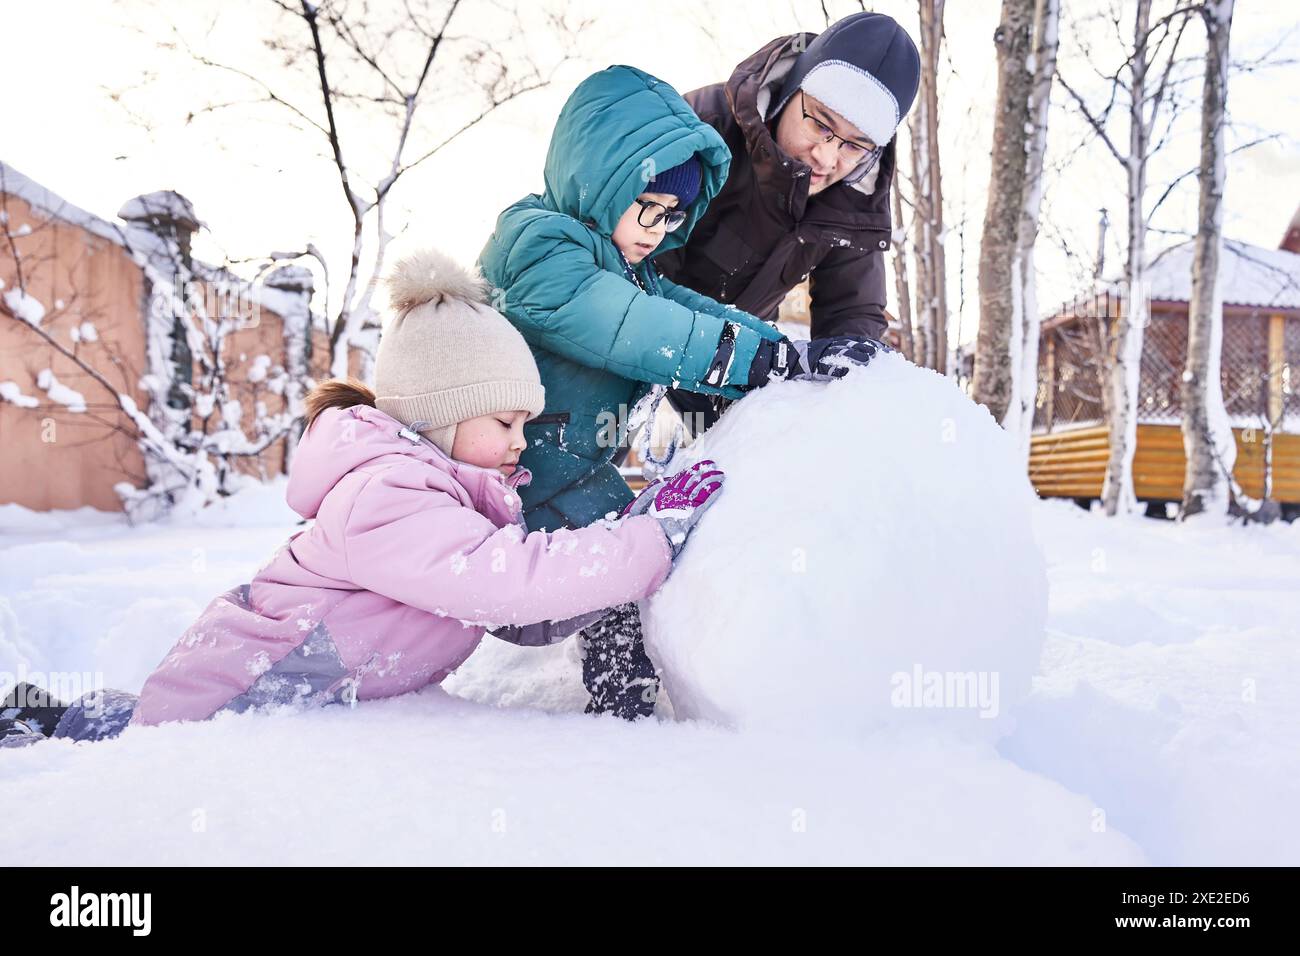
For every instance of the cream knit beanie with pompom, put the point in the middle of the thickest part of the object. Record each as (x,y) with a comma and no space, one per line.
(446,356)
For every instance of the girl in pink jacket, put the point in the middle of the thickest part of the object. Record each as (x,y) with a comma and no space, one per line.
(418,546)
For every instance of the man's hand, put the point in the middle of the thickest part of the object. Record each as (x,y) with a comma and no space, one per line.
(819,360)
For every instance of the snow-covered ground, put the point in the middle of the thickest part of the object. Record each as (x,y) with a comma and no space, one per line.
(1164,728)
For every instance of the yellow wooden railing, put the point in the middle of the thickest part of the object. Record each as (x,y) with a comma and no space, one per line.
(1072,463)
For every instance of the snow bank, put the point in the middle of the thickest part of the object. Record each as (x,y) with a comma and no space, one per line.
(426,779)
(871,563)
(507,675)
(1168,684)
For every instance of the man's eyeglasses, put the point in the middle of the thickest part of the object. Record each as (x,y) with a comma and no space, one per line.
(818,132)
(671,218)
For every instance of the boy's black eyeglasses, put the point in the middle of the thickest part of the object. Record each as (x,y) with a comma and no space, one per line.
(671,218)
(818,132)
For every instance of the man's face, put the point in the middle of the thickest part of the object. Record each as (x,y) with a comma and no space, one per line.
(800,138)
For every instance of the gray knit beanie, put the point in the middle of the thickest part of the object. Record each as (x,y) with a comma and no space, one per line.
(446,356)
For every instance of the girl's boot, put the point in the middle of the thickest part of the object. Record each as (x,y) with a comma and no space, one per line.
(34,707)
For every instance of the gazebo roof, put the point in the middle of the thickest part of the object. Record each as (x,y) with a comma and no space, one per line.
(1248,275)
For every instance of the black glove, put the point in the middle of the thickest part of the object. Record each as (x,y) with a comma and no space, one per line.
(818,361)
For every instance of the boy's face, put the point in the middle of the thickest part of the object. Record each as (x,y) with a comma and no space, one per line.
(636,241)
(491,441)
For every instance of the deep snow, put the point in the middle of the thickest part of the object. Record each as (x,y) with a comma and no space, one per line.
(1163,728)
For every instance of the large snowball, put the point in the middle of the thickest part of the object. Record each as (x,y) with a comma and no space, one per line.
(870,563)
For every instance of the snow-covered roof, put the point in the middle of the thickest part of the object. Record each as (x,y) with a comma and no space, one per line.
(54,205)
(143,243)
(1248,275)
(137,239)
(290,277)
(166,204)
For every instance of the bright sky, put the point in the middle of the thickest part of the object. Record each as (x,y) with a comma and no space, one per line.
(262,185)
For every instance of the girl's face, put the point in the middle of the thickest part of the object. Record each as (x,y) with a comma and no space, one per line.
(491,441)
(636,241)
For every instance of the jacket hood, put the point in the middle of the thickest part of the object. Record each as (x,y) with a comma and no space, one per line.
(616,129)
(341,440)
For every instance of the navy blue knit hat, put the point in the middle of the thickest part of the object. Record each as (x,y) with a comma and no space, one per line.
(682,181)
(865,68)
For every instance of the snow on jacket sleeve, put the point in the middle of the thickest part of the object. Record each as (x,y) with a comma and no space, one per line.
(422,547)
(563,301)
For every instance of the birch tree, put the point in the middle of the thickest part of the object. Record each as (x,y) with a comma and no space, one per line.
(1006,360)
(1043,67)
(906,336)
(1141,83)
(931,303)
(1207,432)
(996,364)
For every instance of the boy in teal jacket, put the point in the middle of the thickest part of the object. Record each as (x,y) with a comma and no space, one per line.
(629,172)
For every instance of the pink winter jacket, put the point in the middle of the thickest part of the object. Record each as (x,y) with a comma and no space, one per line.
(411,557)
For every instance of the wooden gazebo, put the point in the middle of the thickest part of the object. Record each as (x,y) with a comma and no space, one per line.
(1260,367)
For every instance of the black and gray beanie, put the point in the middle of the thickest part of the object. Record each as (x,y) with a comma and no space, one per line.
(865,68)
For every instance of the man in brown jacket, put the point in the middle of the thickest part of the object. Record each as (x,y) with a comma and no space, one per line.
(810,120)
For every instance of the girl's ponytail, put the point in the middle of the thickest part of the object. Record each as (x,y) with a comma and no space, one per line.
(337,393)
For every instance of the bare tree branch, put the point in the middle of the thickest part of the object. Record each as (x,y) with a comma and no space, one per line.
(1195,169)
(1096,124)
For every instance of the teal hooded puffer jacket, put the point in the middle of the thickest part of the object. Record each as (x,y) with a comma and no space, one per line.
(601,343)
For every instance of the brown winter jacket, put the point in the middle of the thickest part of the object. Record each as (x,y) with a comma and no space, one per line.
(763,235)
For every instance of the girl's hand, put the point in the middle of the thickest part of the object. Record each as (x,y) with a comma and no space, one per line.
(645,497)
(679,502)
